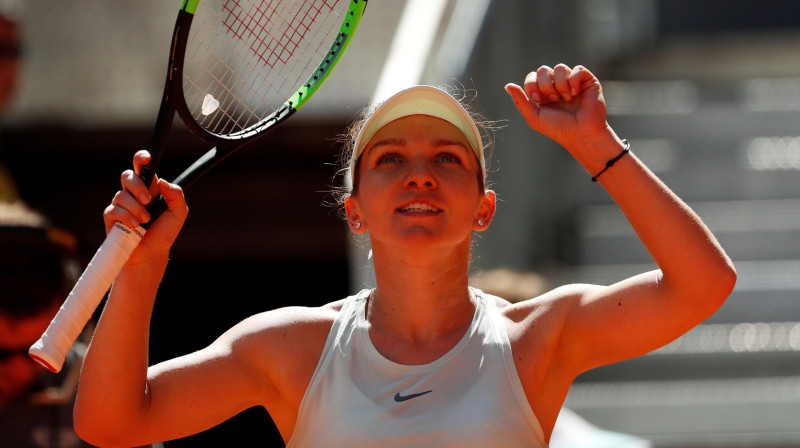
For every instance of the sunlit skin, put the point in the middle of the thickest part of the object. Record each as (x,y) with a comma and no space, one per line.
(422,303)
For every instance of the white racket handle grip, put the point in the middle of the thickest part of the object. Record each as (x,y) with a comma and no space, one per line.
(51,349)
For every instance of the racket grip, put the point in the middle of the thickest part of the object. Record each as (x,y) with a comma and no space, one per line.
(51,349)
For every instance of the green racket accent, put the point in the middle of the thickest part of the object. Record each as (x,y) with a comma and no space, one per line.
(352,17)
(189,6)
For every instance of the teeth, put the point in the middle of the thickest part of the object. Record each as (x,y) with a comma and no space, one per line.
(419,207)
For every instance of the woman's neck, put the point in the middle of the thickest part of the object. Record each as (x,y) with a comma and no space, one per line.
(420,296)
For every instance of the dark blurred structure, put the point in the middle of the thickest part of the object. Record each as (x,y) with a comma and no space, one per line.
(707,91)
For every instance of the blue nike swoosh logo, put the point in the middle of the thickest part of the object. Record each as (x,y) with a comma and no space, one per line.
(401,398)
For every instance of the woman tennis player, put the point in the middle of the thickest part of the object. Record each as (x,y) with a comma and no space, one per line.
(422,360)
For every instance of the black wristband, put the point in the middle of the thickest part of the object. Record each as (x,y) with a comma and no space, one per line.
(611,162)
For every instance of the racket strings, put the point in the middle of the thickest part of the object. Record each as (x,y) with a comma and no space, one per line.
(278,48)
(251,56)
(227,102)
(245,112)
(225,85)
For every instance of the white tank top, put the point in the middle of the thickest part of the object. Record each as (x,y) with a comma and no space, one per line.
(470,397)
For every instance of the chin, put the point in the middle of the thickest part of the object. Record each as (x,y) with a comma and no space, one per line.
(428,239)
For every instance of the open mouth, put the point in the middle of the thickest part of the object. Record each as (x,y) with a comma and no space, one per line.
(418,207)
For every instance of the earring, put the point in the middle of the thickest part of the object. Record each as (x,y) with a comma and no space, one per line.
(480,222)
(357,225)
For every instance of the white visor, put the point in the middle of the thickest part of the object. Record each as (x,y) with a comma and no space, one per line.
(419,100)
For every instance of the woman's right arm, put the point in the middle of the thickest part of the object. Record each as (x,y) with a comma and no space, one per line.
(122,403)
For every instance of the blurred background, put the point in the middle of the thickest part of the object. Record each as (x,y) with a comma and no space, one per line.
(706,91)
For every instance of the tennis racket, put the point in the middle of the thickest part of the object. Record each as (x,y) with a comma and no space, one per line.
(237,69)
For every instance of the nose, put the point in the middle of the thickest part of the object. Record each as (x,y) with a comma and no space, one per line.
(420,175)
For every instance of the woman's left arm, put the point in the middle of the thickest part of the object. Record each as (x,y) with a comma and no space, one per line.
(604,324)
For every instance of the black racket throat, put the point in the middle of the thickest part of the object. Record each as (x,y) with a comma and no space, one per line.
(211,158)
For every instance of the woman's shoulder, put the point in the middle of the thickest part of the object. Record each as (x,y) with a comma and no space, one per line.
(282,345)
(294,332)
(304,321)
(548,304)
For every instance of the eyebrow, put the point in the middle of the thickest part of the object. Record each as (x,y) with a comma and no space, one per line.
(395,141)
(387,142)
(446,142)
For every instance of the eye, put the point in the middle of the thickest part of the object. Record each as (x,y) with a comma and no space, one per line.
(448,157)
(389,157)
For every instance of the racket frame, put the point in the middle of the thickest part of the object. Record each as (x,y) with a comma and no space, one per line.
(226,144)
(51,349)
